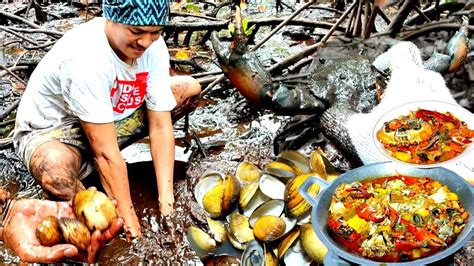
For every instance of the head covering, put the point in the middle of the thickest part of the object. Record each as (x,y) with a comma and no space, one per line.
(137,12)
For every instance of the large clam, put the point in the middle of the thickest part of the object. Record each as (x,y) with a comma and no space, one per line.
(48,232)
(94,209)
(296,205)
(75,233)
(217,193)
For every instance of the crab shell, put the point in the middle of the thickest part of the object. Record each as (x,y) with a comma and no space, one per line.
(405,137)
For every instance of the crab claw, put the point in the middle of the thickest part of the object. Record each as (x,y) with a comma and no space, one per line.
(456,52)
(254,82)
(300,100)
(458,47)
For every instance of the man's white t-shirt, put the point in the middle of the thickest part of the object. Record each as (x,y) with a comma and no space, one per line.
(82,77)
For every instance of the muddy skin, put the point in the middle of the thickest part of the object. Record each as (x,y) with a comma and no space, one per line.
(55,166)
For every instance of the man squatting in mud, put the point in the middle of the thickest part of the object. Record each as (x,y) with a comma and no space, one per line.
(85,99)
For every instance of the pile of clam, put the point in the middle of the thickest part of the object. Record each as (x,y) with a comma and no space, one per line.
(260,211)
(94,211)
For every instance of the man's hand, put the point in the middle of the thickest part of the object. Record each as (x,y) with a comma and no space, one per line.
(166,207)
(25,215)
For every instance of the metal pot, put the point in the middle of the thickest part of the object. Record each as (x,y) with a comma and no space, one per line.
(321,204)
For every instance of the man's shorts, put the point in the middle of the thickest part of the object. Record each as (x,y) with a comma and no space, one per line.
(131,128)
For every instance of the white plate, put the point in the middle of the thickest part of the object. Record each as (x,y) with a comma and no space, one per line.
(442,107)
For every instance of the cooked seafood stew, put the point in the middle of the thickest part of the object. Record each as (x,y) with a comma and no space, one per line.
(425,137)
(396,218)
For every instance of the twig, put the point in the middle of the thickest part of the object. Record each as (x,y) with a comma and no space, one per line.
(355,30)
(19,36)
(55,34)
(42,46)
(311,49)
(8,122)
(19,57)
(183,14)
(425,29)
(421,13)
(402,15)
(283,23)
(384,17)
(365,21)
(14,75)
(20,19)
(351,22)
(203,74)
(371,23)
(9,109)
(3,73)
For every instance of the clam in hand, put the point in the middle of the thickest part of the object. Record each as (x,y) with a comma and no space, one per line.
(48,232)
(75,233)
(94,209)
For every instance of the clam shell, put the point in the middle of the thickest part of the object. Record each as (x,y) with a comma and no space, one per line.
(217,230)
(270,258)
(48,232)
(296,160)
(253,254)
(296,256)
(272,186)
(296,205)
(201,242)
(321,165)
(207,181)
(218,201)
(247,172)
(272,207)
(94,209)
(247,193)
(281,170)
(286,243)
(268,228)
(75,233)
(311,243)
(258,199)
(239,228)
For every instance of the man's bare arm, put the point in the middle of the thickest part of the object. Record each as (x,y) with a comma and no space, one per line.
(113,171)
(162,151)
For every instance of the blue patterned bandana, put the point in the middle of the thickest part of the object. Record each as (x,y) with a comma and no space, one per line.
(137,12)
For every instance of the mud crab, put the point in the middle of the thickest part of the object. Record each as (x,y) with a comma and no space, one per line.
(253,81)
(328,88)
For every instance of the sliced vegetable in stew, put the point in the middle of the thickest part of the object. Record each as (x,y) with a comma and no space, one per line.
(397,218)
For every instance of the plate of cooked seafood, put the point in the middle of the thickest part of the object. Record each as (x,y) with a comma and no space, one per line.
(425,133)
(392,214)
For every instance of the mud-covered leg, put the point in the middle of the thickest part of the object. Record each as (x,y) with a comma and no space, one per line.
(55,166)
(184,87)
(185,90)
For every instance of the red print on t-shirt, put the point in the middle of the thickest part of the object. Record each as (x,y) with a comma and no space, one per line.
(128,94)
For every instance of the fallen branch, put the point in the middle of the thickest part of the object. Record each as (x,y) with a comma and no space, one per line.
(3,73)
(19,19)
(20,36)
(55,34)
(9,109)
(402,15)
(14,75)
(313,48)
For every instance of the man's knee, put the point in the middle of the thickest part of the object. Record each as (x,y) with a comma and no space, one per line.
(184,87)
(55,166)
